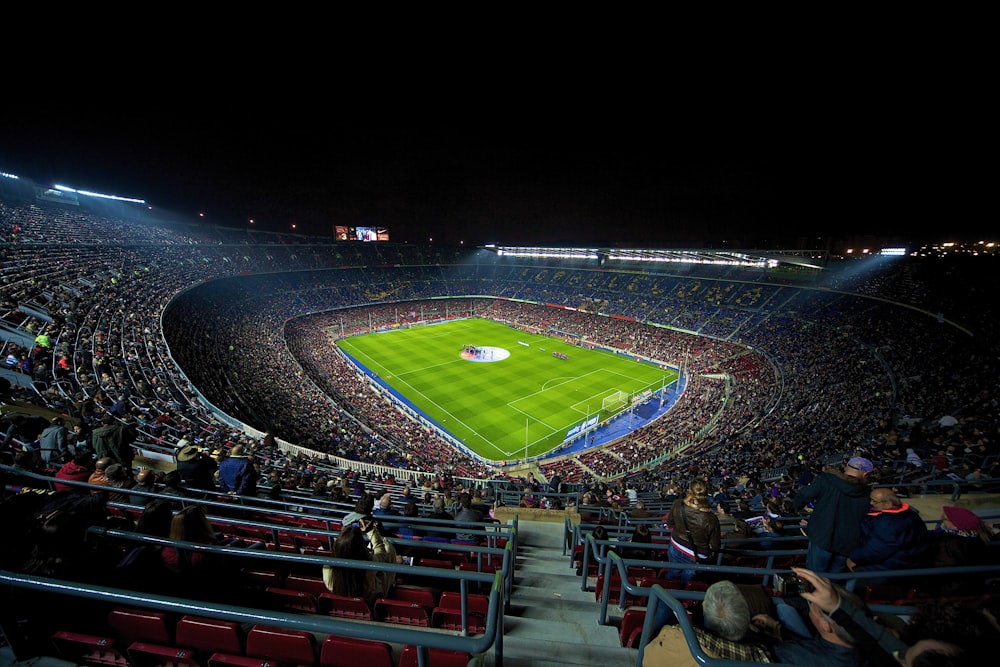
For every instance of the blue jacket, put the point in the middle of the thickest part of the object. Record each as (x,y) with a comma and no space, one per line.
(237,474)
(894,539)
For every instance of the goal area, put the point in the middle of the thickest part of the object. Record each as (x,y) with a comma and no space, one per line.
(614,402)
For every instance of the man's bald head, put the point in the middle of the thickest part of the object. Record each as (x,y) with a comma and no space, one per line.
(101,464)
(884,498)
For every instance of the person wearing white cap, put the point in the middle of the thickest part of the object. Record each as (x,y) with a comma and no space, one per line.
(839,499)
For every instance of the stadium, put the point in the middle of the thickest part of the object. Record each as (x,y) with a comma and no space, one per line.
(372,367)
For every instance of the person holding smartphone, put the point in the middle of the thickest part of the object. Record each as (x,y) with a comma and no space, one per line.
(361,539)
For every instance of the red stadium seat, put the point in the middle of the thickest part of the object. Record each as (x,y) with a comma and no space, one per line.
(343,606)
(402,613)
(436,657)
(421,595)
(143,654)
(451,619)
(291,600)
(292,647)
(305,582)
(84,649)
(139,625)
(475,603)
(209,635)
(353,652)
(631,628)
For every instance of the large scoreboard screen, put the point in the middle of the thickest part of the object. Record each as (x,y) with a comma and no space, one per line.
(361,233)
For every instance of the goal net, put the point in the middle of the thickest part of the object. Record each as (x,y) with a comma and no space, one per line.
(615,401)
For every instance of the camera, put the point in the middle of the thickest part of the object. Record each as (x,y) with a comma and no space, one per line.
(791,584)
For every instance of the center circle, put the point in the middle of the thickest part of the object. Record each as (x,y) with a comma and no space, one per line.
(484,354)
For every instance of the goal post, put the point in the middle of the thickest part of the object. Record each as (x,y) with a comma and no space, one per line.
(614,401)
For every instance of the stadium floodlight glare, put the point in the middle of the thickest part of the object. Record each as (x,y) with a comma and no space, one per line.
(87,193)
(893,252)
(561,253)
(687,257)
(6,175)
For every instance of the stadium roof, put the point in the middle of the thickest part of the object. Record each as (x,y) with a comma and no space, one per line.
(814,259)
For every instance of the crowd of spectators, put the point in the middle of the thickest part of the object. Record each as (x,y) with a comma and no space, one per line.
(167,335)
(147,322)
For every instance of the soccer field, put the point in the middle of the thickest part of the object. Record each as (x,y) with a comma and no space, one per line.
(515,394)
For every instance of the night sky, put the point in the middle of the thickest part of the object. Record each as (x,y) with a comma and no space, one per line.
(766,181)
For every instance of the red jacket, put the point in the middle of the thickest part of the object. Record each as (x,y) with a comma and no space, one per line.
(74,472)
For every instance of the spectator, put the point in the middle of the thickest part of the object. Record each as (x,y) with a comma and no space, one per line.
(640,535)
(145,480)
(114,439)
(724,631)
(893,536)
(832,645)
(237,473)
(639,511)
(383,510)
(118,478)
(201,575)
(695,534)
(197,469)
(53,442)
(79,437)
(961,540)
(351,544)
(78,469)
(467,517)
(726,615)
(408,530)
(840,502)
(142,568)
(99,477)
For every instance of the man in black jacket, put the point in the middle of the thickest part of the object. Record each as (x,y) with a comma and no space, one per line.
(840,503)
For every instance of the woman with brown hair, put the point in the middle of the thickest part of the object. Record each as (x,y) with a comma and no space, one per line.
(695,535)
(351,544)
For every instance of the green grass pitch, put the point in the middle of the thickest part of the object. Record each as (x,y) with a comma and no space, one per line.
(529,399)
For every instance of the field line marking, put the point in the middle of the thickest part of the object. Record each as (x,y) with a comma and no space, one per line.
(441,408)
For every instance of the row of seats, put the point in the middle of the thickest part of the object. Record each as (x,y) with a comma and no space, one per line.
(144,638)
(405,605)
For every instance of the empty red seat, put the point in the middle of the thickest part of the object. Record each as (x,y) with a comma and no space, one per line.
(84,649)
(436,657)
(475,603)
(352,652)
(263,578)
(292,647)
(291,600)
(631,628)
(304,582)
(139,625)
(421,595)
(447,618)
(143,654)
(343,606)
(209,635)
(402,613)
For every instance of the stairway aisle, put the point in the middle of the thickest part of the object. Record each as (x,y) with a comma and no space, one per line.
(551,621)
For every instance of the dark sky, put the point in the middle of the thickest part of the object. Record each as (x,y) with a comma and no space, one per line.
(752,180)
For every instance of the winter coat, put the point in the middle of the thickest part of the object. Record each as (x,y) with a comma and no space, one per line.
(840,505)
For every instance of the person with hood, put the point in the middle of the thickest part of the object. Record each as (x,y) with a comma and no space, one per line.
(77,469)
(840,503)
